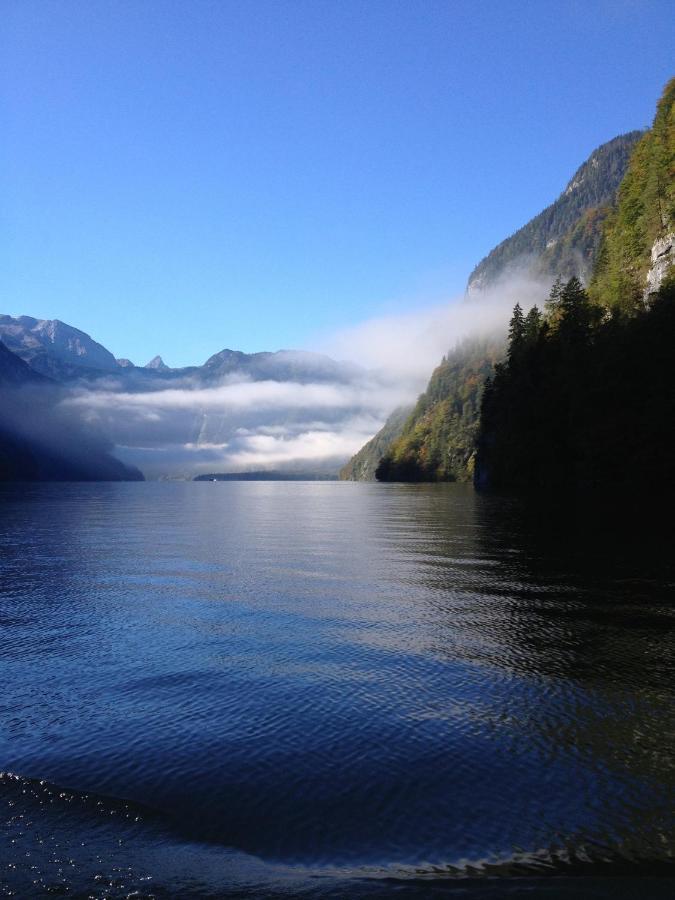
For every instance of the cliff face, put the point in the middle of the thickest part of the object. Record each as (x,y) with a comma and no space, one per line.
(662,257)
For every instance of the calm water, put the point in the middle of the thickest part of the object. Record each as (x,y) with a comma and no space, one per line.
(335,690)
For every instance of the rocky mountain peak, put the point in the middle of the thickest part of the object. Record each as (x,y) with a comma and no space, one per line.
(158,364)
(49,345)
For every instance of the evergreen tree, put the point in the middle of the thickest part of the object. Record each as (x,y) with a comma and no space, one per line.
(552,305)
(516,334)
(532,326)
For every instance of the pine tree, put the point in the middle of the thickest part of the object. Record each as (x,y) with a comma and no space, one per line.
(552,305)
(516,334)
(575,310)
(532,326)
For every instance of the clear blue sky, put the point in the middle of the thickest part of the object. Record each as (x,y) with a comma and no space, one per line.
(177,177)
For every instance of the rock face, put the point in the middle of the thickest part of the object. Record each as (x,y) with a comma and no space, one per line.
(53,348)
(663,257)
(125,363)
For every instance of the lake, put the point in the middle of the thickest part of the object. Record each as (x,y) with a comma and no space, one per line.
(253,689)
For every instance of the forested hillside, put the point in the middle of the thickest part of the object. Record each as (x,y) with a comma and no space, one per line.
(585,398)
(363,465)
(644,215)
(438,439)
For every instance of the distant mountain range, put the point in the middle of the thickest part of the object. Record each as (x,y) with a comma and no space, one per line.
(53,348)
(66,354)
(238,411)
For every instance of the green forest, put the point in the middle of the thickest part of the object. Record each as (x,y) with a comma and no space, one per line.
(584,399)
(438,439)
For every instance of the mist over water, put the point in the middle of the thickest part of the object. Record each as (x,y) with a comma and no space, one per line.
(289,689)
(291,410)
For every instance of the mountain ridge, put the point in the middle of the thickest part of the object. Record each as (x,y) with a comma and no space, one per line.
(564,238)
(74,355)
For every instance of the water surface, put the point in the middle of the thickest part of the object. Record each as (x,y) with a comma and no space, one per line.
(262,689)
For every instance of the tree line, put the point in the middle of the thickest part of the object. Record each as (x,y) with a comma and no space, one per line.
(584,400)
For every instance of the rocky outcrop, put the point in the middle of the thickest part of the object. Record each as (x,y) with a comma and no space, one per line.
(663,256)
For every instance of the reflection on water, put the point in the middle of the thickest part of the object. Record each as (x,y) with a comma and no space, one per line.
(318,688)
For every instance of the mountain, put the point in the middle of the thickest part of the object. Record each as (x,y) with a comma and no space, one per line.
(437,441)
(584,401)
(362,466)
(158,364)
(15,372)
(300,366)
(565,237)
(66,354)
(53,348)
(286,410)
(41,438)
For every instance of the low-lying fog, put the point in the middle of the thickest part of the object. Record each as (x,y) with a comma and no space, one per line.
(184,426)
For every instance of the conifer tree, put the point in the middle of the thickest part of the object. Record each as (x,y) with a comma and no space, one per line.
(532,326)
(516,334)
(552,305)
(575,311)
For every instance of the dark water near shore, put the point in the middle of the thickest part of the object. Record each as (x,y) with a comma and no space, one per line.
(330,690)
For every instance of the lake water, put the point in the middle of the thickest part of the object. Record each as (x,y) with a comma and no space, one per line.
(329,690)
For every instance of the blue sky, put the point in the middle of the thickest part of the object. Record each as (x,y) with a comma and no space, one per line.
(178,177)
